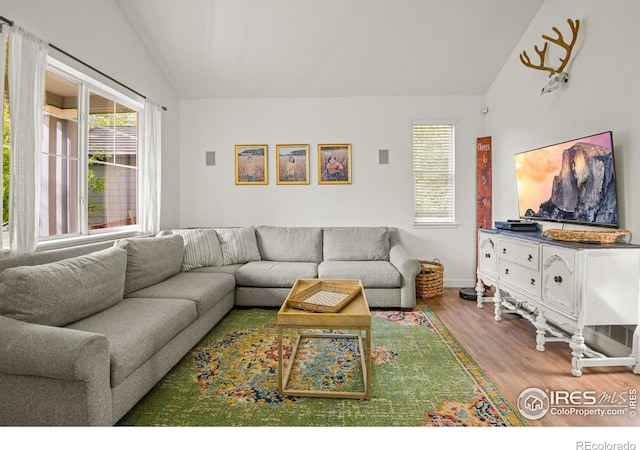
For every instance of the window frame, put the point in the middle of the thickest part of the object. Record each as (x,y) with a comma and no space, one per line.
(443,221)
(93,82)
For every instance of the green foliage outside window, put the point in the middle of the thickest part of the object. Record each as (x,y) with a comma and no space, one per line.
(95,183)
(113,120)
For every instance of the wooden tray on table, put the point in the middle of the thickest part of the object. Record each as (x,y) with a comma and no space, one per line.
(324,296)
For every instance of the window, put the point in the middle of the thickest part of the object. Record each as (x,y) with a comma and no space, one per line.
(113,155)
(89,156)
(84,178)
(60,186)
(434,173)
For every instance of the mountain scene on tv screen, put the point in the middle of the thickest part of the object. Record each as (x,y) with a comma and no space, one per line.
(585,189)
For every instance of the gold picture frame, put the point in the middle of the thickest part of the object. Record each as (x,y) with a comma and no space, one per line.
(251,164)
(334,163)
(292,164)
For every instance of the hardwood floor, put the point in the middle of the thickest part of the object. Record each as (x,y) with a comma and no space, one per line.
(506,352)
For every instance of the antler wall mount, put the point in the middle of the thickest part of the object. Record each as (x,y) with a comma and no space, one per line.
(557,75)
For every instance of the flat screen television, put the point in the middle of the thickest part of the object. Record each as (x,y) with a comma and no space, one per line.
(571,182)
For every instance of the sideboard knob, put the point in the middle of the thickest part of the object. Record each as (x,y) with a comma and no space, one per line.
(533,282)
(530,258)
(557,279)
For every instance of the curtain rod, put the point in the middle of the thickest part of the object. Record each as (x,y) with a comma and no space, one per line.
(7,21)
(11,22)
(164,108)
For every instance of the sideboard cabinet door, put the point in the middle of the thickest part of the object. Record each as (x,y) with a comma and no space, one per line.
(487,258)
(559,280)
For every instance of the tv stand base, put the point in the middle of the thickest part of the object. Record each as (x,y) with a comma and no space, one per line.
(581,354)
(560,287)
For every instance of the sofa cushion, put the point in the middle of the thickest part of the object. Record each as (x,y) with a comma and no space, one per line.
(201,248)
(239,245)
(49,256)
(64,291)
(356,244)
(136,329)
(205,289)
(374,274)
(151,260)
(270,274)
(302,244)
(230,269)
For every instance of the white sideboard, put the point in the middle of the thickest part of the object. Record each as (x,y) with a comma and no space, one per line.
(562,287)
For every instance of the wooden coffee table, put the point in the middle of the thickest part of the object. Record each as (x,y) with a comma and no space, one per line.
(353,317)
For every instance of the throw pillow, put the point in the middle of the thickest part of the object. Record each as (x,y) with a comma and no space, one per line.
(151,260)
(302,244)
(356,244)
(201,248)
(239,245)
(65,291)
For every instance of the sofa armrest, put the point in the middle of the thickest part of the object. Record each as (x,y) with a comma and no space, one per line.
(408,267)
(39,363)
(53,352)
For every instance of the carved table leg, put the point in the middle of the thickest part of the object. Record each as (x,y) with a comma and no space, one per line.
(541,325)
(479,293)
(497,300)
(577,352)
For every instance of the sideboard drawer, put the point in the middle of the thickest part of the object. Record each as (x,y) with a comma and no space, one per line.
(519,252)
(520,277)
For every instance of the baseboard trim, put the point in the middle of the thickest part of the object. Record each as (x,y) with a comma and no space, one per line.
(459,283)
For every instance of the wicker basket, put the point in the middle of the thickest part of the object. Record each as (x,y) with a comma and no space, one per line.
(429,282)
(586,236)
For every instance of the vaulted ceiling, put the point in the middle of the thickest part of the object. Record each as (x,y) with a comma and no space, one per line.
(320,48)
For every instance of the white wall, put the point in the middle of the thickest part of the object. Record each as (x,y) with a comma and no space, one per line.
(378,195)
(603,93)
(98,33)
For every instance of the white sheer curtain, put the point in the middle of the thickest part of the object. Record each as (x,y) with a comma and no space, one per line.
(3,41)
(151,167)
(27,65)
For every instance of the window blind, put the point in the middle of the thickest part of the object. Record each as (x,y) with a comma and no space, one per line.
(434,173)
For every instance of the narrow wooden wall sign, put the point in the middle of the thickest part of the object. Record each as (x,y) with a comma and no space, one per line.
(483,180)
(483,198)
(483,186)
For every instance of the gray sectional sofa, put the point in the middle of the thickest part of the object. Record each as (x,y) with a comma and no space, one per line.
(86,332)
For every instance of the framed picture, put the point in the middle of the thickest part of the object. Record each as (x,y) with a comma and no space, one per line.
(251,164)
(292,164)
(334,164)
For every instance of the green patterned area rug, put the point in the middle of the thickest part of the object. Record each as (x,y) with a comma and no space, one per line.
(421,376)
